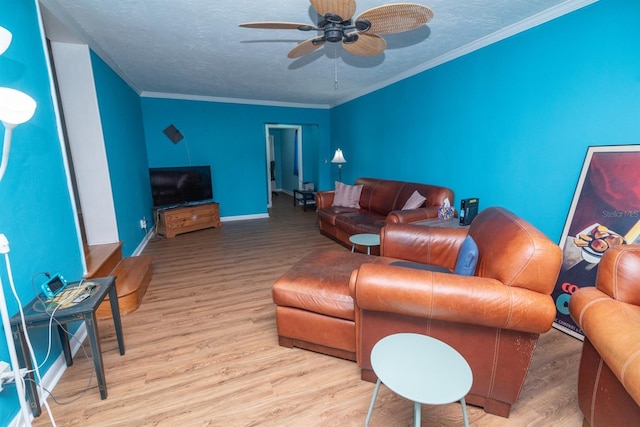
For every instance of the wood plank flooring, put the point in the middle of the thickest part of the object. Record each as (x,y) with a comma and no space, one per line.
(202,348)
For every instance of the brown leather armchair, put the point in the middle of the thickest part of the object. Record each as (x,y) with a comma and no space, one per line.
(609,315)
(493,318)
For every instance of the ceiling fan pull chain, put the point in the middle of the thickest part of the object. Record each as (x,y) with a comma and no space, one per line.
(335,67)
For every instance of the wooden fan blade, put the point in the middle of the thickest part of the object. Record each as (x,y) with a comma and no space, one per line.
(305,47)
(343,8)
(366,45)
(273,25)
(396,18)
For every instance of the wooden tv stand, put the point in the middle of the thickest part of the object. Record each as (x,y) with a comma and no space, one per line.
(184,219)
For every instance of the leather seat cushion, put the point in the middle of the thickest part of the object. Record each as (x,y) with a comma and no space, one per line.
(330,214)
(320,283)
(360,222)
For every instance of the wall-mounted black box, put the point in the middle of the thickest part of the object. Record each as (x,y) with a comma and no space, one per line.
(468,210)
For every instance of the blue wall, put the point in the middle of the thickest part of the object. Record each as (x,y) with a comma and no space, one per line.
(36,213)
(509,123)
(121,118)
(230,138)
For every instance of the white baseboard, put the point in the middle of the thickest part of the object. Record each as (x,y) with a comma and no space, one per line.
(243,217)
(143,243)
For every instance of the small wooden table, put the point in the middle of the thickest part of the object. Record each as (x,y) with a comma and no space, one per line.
(39,311)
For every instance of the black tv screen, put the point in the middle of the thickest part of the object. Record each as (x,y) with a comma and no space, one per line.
(180,185)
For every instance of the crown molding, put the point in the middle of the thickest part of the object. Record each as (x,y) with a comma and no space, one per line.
(183,97)
(519,27)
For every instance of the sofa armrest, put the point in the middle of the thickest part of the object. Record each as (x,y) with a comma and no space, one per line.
(424,244)
(613,328)
(324,199)
(449,297)
(411,215)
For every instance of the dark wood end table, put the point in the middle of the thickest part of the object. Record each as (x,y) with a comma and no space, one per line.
(307,197)
(40,310)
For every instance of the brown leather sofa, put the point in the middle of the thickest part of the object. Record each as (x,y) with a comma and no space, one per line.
(609,316)
(341,303)
(493,318)
(381,203)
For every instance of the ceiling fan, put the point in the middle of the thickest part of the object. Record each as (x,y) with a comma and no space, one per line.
(359,36)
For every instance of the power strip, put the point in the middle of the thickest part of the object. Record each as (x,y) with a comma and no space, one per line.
(6,374)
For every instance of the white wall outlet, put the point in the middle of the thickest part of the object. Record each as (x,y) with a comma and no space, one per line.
(143,223)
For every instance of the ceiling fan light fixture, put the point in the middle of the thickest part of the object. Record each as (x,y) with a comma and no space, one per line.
(333,18)
(363,24)
(318,41)
(350,38)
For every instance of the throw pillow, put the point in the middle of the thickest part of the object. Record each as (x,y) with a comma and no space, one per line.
(415,201)
(467,258)
(347,196)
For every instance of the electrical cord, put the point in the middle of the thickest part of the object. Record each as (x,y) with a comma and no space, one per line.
(52,319)
(26,337)
(78,397)
(51,314)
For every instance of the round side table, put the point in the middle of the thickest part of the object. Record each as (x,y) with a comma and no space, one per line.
(365,239)
(422,369)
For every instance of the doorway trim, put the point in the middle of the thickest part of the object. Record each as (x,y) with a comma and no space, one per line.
(268,155)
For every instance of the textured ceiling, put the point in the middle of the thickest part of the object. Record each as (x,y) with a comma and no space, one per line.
(194,49)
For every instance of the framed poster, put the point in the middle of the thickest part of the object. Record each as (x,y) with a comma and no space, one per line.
(604,212)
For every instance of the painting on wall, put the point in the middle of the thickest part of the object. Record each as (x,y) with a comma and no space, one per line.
(604,212)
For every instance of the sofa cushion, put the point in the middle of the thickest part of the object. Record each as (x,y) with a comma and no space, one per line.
(347,196)
(360,222)
(467,258)
(415,201)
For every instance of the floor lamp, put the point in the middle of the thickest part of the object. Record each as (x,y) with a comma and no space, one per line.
(338,158)
(15,108)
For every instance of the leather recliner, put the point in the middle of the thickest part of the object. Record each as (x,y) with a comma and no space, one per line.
(609,316)
(492,318)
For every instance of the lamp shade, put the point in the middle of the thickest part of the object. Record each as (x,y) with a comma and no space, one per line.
(338,157)
(5,39)
(15,107)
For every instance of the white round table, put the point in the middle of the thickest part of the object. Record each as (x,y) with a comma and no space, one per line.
(364,239)
(422,369)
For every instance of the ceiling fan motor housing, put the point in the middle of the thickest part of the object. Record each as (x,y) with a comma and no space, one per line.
(333,33)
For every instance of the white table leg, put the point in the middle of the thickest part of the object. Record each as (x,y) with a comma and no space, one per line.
(373,400)
(416,414)
(464,412)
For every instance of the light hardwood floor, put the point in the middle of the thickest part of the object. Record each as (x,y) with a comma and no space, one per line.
(202,348)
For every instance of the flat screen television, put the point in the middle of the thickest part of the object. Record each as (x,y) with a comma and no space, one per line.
(180,185)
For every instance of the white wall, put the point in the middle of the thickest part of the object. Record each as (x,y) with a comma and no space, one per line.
(86,143)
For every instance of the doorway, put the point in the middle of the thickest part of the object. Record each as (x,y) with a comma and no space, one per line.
(284,159)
